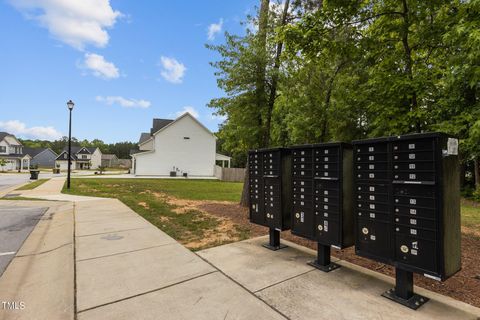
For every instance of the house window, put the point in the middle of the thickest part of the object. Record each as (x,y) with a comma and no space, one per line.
(186,138)
(84,156)
(3,149)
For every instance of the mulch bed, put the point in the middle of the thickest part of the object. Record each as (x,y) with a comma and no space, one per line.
(463,286)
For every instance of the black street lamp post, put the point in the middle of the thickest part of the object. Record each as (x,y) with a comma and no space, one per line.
(70,105)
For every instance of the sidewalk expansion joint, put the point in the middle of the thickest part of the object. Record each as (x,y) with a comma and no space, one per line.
(244,288)
(125,252)
(43,252)
(97,234)
(285,280)
(147,292)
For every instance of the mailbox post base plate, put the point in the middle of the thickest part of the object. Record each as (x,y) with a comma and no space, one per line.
(325,268)
(274,248)
(414,302)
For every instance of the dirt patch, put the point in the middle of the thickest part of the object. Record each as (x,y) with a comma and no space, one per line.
(463,286)
(471,231)
(144,204)
(224,233)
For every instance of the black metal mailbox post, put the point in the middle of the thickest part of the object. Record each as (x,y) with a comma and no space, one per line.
(270,191)
(408,208)
(322,198)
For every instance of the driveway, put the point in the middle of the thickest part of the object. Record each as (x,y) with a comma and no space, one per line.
(16,223)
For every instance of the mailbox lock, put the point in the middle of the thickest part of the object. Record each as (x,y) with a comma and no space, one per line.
(320,227)
(297,215)
(404,249)
(365,231)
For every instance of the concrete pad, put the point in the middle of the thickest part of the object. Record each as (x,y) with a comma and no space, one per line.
(43,282)
(95,215)
(108,279)
(119,242)
(209,297)
(348,294)
(256,267)
(109,226)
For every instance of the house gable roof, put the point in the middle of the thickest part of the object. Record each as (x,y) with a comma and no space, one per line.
(77,149)
(33,152)
(144,137)
(64,155)
(158,124)
(109,156)
(186,114)
(4,135)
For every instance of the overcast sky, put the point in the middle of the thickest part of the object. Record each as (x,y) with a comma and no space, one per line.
(122,63)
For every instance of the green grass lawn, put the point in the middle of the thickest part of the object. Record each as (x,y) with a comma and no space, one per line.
(33,185)
(147,197)
(471,217)
(182,189)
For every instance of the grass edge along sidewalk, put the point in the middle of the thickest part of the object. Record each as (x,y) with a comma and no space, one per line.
(170,205)
(32,185)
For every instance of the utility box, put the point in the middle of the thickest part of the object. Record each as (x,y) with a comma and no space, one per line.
(407,207)
(270,187)
(322,197)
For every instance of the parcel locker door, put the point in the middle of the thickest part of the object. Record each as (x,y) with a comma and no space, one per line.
(328,231)
(415,252)
(374,239)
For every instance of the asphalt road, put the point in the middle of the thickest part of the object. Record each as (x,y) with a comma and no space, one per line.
(16,223)
(10,180)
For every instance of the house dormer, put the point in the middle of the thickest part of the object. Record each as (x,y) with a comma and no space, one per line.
(9,145)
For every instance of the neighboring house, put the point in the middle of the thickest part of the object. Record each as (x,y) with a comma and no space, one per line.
(109,160)
(11,150)
(183,145)
(41,157)
(82,158)
(125,163)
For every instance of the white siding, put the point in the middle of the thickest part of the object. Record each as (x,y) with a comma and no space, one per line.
(96,159)
(148,145)
(195,156)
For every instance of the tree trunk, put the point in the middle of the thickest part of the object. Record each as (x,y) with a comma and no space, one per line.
(476,166)
(245,199)
(408,60)
(273,89)
(261,67)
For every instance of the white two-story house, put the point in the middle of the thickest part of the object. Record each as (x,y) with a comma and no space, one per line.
(11,151)
(177,147)
(82,158)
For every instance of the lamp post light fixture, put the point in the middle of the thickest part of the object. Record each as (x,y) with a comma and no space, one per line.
(70,105)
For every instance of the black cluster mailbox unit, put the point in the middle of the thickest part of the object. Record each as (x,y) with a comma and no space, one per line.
(407,208)
(270,191)
(322,198)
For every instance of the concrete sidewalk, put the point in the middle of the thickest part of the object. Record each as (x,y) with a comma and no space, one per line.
(283,280)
